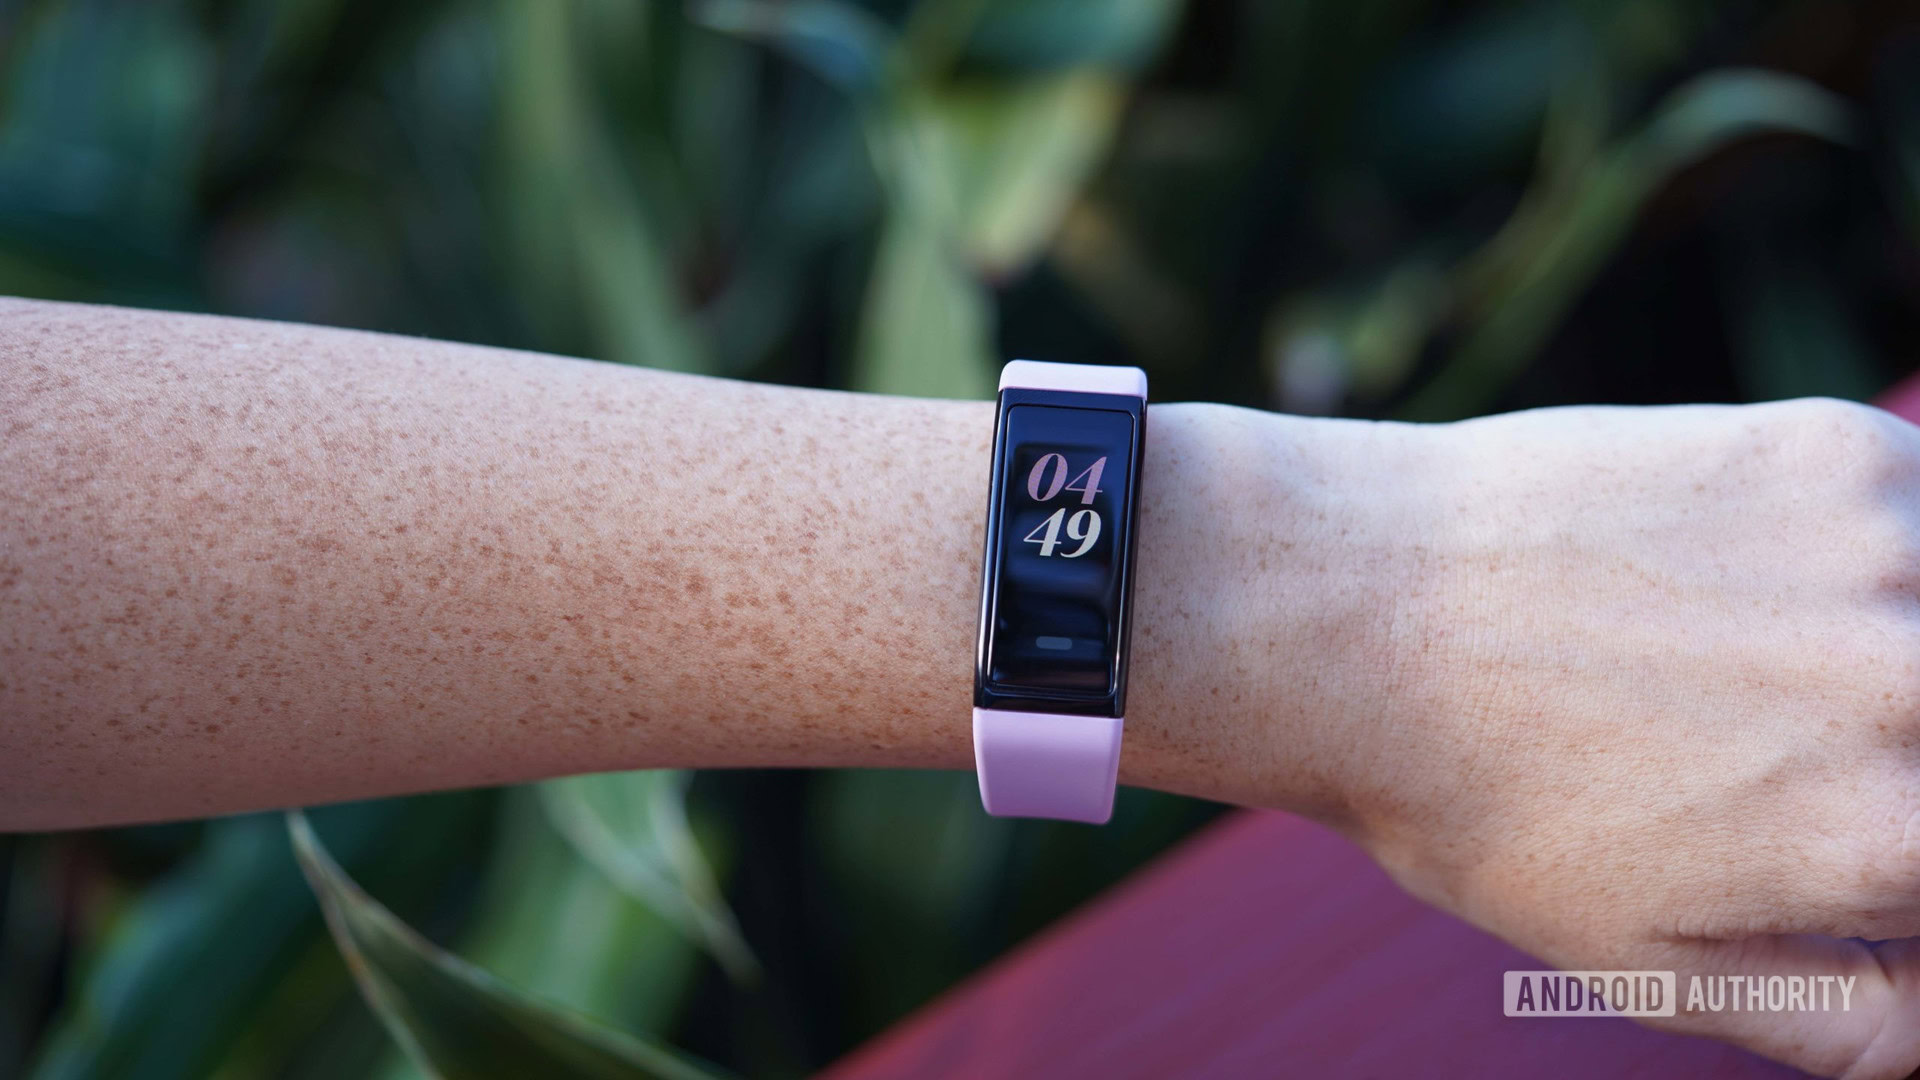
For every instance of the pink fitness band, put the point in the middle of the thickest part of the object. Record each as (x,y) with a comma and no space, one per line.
(1050,674)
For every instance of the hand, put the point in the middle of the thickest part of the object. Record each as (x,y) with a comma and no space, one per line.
(1649,698)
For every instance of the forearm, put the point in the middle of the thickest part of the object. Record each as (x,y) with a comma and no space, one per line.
(248,564)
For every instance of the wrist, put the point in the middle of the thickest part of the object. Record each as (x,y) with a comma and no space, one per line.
(1281,560)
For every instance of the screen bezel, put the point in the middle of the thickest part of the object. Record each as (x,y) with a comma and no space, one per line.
(986,695)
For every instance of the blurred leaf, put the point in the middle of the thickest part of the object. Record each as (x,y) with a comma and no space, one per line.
(826,192)
(99,138)
(924,321)
(841,43)
(33,926)
(974,170)
(126,1020)
(454,1019)
(1518,287)
(916,867)
(1050,35)
(879,820)
(924,328)
(1469,100)
(819,182)
(1717,108)
(1579,112)
(584,245)
(719,80)
(1016,154)
(979,175)
(632,827)
(552,925)
(555,925)
(231,922)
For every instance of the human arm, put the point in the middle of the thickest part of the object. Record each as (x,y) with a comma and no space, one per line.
(1631,688)
(249,564)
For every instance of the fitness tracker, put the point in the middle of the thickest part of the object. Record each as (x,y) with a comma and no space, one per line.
(1050,672)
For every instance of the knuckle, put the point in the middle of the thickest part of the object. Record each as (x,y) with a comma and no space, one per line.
(1845,440)
(1837,416)
(1844,474)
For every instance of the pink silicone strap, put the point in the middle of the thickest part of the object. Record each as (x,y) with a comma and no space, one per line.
(1047,765)
(1084,378)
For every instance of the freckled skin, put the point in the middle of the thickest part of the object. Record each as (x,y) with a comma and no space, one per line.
(248,564)
(1632,688)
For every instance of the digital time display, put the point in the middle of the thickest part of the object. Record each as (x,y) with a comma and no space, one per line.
(1063,521)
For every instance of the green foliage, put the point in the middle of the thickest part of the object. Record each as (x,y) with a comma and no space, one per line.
(454,1019)
(130,1022)
(1050,35)
(1517,288)
(556,926)
(583,245)
(632,828)
(977,173)
(240,886)
(1373,207)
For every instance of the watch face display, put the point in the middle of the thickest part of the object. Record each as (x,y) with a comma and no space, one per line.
(1063,499)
